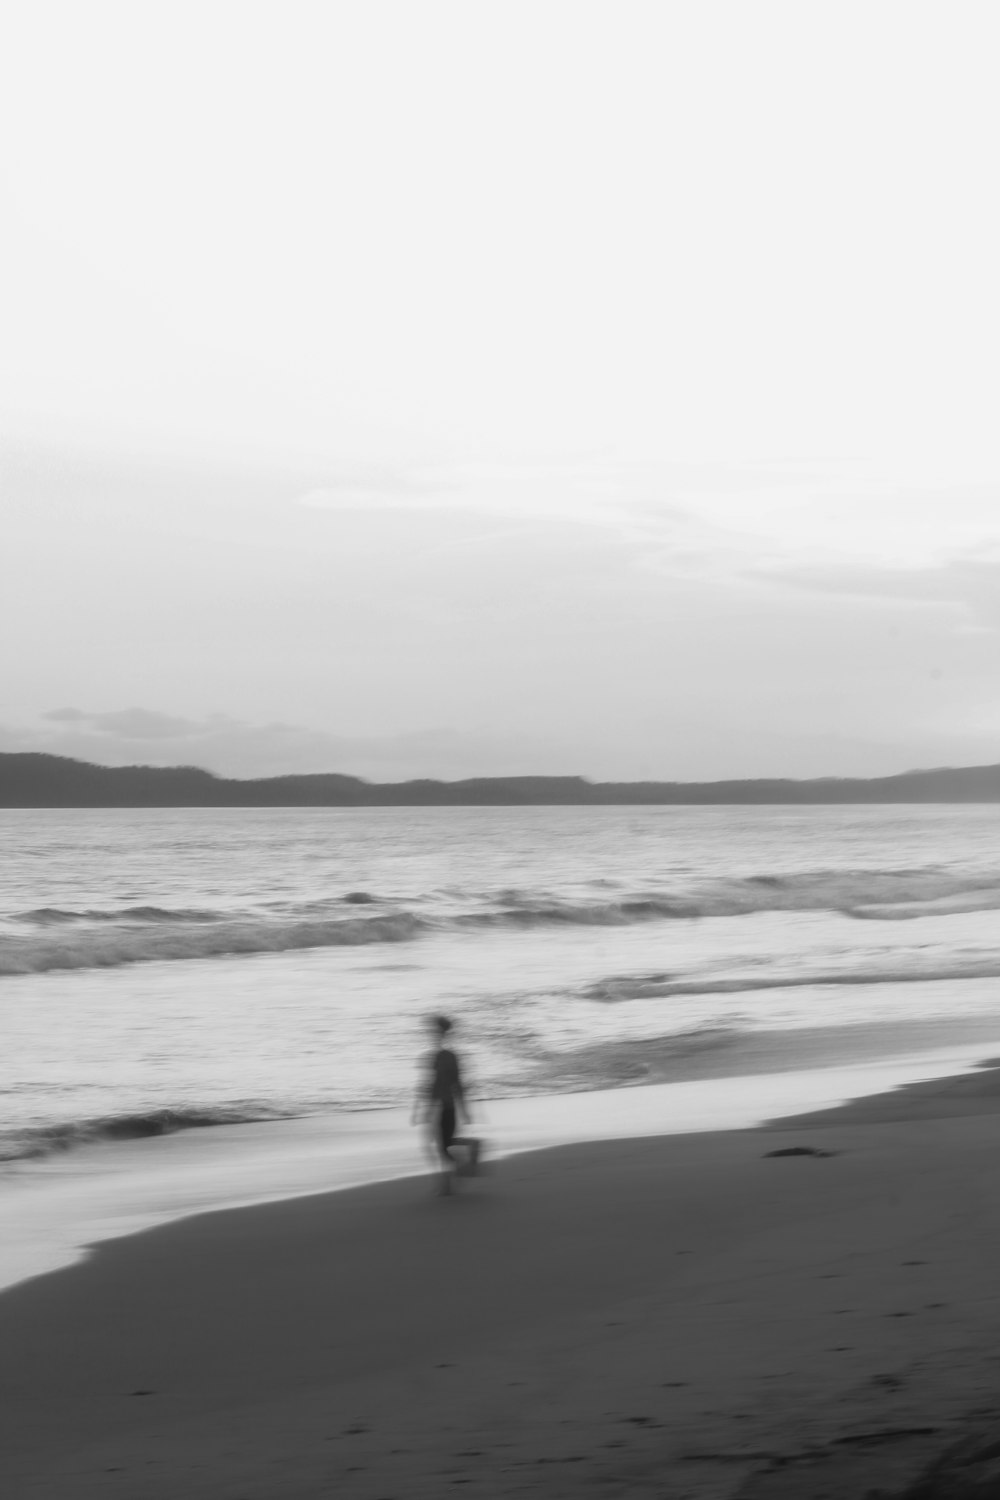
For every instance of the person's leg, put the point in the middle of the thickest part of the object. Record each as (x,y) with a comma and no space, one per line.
(445,1137)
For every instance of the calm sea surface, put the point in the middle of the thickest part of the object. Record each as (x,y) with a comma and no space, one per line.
(248,963)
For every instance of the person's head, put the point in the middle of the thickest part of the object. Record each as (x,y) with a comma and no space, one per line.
(440,1026)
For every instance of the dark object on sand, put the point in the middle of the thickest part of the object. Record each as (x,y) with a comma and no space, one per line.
(800,1151)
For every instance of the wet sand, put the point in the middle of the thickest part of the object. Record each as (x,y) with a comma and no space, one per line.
(682,1316)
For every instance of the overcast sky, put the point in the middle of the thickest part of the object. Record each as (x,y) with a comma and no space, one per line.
(501,385)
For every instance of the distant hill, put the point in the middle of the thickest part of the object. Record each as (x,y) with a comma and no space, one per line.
(36,780)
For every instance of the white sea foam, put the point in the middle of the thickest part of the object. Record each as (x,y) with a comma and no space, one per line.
(915,969)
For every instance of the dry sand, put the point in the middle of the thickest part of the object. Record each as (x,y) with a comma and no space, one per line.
(667,1317)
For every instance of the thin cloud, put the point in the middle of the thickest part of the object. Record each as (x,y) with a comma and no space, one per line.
(586,491)
(379,485)
(714,520)
(973,587)
(66,715)
(130,723)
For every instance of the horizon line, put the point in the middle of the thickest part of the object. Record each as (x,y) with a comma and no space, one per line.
(219,776)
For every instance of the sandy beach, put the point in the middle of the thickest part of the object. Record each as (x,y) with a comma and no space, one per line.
(685,1316)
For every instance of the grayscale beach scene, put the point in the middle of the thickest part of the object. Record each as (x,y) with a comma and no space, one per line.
(499,750)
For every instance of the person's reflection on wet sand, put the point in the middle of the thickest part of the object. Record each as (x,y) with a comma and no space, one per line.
(440,1100)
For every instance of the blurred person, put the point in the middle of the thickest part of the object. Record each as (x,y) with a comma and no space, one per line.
(440,1100)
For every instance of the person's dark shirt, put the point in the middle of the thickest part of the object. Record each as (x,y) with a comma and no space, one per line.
(446,1079)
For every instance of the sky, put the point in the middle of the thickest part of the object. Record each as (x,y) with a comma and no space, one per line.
(485,387)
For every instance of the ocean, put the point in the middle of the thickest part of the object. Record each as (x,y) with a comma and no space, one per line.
(172,968)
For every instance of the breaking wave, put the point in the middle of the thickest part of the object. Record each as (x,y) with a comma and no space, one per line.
(35,1142)
(109,945)
(53,937)
(861,893)
(54,916)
